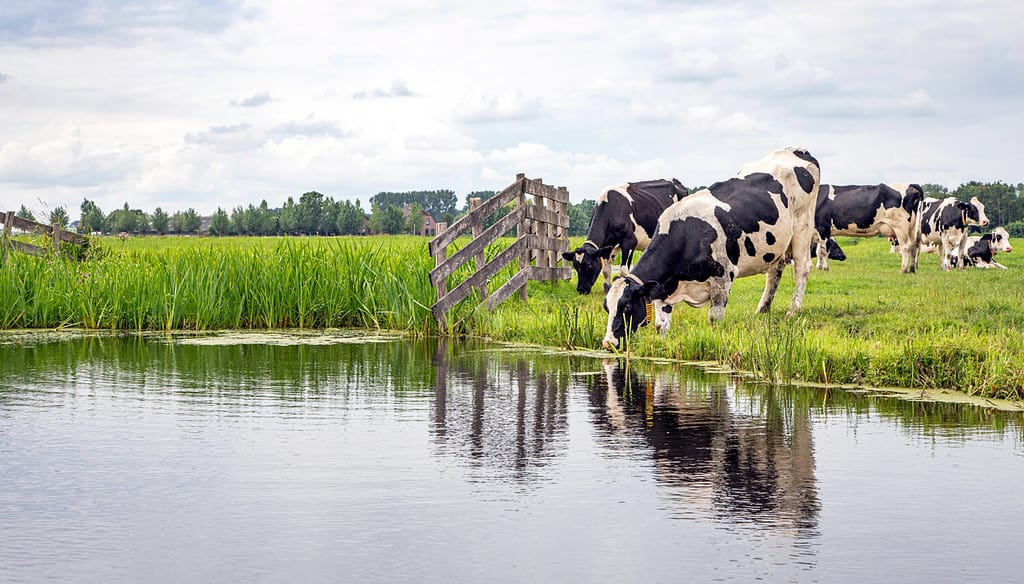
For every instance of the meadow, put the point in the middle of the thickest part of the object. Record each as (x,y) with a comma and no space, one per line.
(863,322)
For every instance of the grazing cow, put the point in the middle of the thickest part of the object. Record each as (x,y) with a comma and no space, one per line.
(981,251)
(625,217)
(739,227)
(868,211)
(945,222)
(834,251)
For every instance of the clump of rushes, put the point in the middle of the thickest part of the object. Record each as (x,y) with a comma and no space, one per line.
(863,321)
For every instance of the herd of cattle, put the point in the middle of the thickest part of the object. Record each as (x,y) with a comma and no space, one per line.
(774,211)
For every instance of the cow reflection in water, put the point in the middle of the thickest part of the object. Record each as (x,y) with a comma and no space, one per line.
(750,459)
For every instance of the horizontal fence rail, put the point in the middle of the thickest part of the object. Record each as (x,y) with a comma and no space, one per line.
(11,222)
(541,220)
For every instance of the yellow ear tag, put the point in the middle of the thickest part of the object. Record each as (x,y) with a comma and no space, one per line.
(650,312)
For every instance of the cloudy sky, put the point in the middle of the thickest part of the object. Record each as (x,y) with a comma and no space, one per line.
(221,103)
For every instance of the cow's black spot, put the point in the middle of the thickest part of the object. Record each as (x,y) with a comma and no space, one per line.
(749,246)
(769,238)
(768,257)
(667,309)
(805,155)
(803,176)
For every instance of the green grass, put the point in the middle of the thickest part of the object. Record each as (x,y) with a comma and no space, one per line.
(863,322)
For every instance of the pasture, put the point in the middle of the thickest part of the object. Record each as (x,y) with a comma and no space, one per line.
(863,322)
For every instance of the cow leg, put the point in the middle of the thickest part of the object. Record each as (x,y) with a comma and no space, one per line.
(909,248)
(771,284)
(801,270)
(822,255)
(719,296)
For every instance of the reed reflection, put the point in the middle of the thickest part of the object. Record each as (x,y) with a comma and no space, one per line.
(503,411)
(742,457)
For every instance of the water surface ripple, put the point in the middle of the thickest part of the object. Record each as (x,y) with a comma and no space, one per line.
(339,457)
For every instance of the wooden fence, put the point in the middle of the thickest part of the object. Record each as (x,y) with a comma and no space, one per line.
(10,222)
(541,221)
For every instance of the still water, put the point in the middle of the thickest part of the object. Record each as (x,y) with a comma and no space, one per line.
(343,457)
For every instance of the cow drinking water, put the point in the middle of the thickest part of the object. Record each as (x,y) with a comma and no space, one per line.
(624,219)
(739,227)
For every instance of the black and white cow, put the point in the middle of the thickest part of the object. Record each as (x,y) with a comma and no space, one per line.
(834,251)
(739,227)
(624,219)
(868,211)
(945,222)
(981,251)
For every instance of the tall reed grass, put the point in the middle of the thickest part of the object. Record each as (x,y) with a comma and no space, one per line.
(224,284)
(863,322)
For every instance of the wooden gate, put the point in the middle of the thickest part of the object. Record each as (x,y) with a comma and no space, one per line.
(11,221)
(541,221)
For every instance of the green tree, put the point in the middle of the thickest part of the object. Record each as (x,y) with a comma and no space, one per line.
(92,218)
(123,220)
(25,213)
(191,221)
(309,212)
(935,191)
(579,217)
(414,223)
(387,219)
(239,223)
(289,218)
(160,221)
(60,217)
(351,218)
(220,223)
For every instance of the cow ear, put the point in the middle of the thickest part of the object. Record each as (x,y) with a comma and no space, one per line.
(606,251)
(568,255)
(650,289)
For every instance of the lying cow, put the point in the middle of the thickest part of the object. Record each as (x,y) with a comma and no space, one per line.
(868,211)
(945,222)
(740,227)
(624,219)
(981,251)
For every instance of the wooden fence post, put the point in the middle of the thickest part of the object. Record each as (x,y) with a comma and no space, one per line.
(5,238)
(477,228)
(522,231)
(442,285)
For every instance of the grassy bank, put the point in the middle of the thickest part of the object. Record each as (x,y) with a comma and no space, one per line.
(863,322)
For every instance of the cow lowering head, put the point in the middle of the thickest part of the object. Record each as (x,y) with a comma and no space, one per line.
(587,261)
(973,212)
(626,301)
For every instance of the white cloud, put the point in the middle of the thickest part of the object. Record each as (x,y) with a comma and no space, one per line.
(214,103)
(484,105)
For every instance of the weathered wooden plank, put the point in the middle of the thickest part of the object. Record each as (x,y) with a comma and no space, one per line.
(508,289)
(460,292)
(26,247)
(34,227)
(536,186)
(539,242)
(544,274)
(547,216)
(455,230)
(476,246)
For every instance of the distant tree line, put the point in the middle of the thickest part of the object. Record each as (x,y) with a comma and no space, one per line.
(403,212)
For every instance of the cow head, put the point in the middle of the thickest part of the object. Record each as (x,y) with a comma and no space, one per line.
(1001,240)
(586,260)
(973,212)
(626,301)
